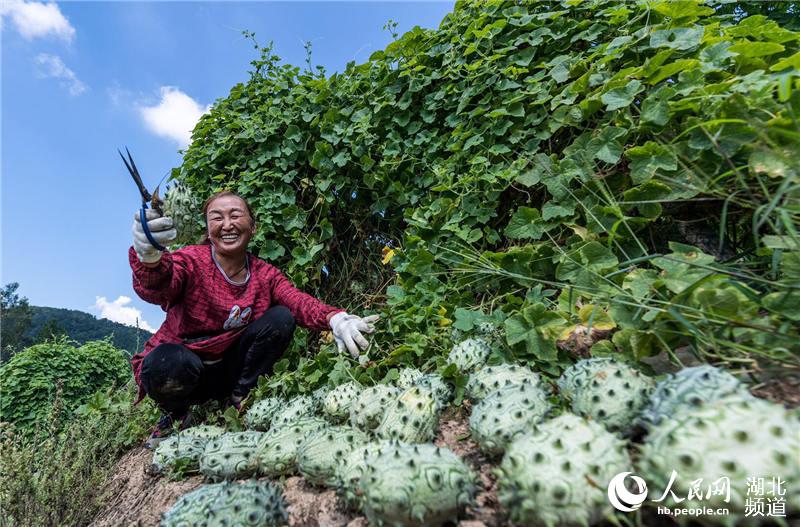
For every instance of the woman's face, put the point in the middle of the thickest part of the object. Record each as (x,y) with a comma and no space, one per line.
(230,226)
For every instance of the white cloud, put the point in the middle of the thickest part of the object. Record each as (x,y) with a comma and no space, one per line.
(37,19)
(174,117)
(119,311)
(52,66)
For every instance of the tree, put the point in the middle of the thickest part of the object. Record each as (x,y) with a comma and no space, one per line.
(15,314)
(49,331)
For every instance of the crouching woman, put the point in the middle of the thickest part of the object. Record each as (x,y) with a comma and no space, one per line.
(230,315)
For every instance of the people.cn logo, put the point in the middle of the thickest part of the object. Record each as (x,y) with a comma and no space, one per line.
(621,498)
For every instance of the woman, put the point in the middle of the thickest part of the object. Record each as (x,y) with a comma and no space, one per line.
(230,315)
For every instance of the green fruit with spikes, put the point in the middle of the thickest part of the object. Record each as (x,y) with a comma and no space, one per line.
(734,437)
(353,468)
(416,486)
(491,378)
(408,377)
(442,390)
(690,389)
(609,392)
(366,411)
(338,401)
(277,453)
(557,474)
(323,451)
(469,354)
(178,450)
(185,210)
(260,415)
(203,432)
(252,504)
(511,411)
(298,407)
(233,455)
(412,418)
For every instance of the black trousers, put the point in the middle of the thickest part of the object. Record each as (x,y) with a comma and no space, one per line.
(175,378)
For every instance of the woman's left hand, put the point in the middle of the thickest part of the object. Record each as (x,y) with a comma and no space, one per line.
(347,331)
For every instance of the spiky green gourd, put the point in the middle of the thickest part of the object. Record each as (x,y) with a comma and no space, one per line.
(689,389)
(735,437)
(278,450)
(324,450)
(416,485)
(442,390)
(469,354)
(260,415)
(203,431)
(407,378)
(251,503)
(582,372)
(609,392)
(337,403)
(318,395)
(412,418)
(491,378)
(353,468)
(186,212)
(366,412)
(298,407)
(506,413)
(233,455)
(558,473)
(178,450)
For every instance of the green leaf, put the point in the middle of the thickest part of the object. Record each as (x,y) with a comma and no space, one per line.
(605,145)
(466,318)
(684,267)
(655,108)
(676,9)
(526,223)
(552,210)
(538,328)
(585,266)
(756,49)
(671,69)
(541,165)
(680,38)
(792,61)
(648,159)
(621,97)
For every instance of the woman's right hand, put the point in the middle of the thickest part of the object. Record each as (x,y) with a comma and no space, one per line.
(162,230)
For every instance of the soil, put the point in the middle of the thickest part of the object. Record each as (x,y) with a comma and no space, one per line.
(138,498)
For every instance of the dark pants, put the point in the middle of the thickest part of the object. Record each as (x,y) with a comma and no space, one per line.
(175,378)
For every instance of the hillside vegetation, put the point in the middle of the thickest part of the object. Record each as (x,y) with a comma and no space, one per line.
(598,178)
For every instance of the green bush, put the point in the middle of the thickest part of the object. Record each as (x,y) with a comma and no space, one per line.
(58,473)
(529,160)
(30,380)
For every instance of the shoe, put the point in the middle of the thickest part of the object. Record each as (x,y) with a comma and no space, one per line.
(166,426)
(235,401)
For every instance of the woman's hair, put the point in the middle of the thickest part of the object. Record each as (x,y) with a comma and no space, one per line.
(204,239)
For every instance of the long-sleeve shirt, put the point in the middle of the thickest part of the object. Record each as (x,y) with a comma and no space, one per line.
(207,312)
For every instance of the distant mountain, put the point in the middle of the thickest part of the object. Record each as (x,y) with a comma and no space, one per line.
(82,327)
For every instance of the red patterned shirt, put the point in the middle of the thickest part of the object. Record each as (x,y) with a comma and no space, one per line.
(206,311)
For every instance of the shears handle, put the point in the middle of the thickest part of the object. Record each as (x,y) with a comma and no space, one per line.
(143,218)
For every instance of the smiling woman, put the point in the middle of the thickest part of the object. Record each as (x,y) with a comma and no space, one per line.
(230,315)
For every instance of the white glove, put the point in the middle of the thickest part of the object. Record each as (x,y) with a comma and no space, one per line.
(347,331)
(161,229)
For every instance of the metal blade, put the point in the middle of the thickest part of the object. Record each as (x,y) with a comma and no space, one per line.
(135,175)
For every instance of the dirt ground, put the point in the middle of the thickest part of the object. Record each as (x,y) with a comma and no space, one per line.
(139,499)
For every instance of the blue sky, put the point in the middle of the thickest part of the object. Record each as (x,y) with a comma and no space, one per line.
(81,79)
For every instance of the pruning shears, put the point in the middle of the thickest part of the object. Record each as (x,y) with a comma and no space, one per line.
(153,198)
